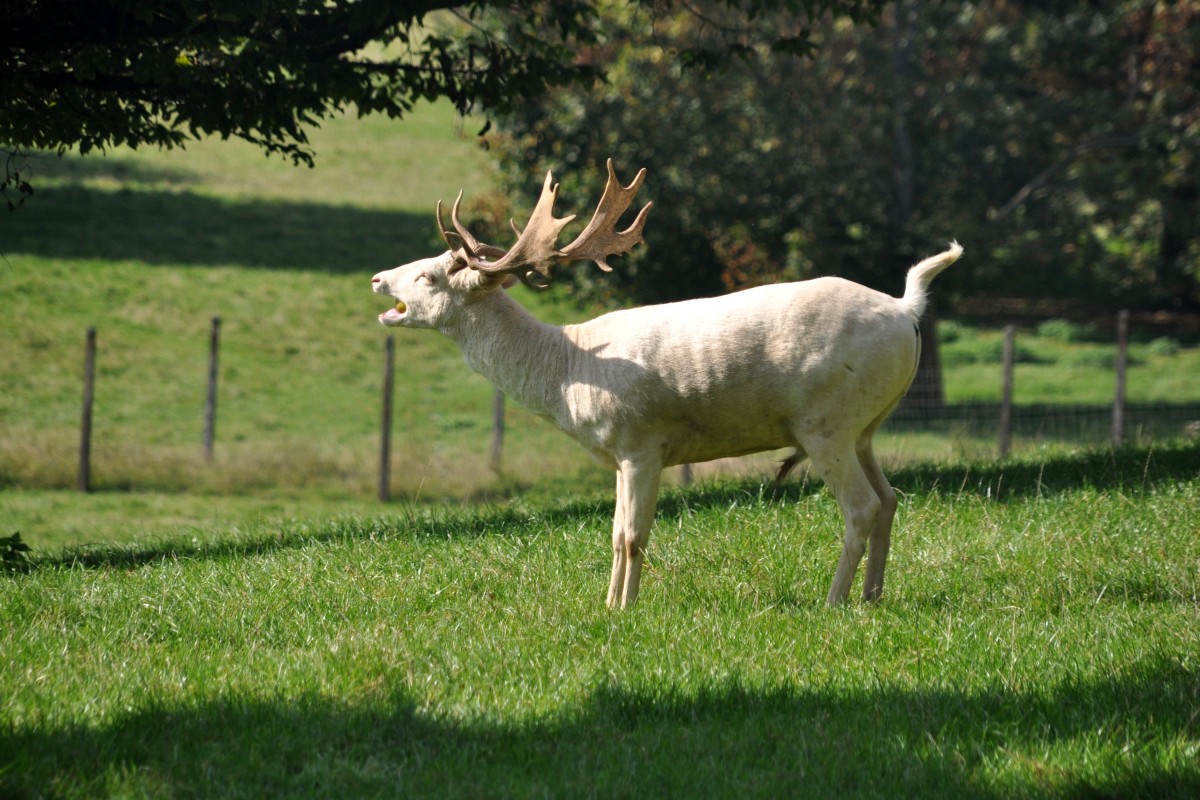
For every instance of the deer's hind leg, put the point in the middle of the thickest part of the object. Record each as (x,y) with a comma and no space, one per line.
(837,462)
(881,532)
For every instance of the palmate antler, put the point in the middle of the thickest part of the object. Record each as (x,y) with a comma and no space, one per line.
(536,251)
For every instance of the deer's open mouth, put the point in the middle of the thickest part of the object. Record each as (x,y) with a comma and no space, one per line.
(395,314)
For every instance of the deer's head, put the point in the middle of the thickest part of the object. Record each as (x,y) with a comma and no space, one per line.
(430,291)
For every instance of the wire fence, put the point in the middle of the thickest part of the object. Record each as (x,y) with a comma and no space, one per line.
(1072,423)
(1119,422)
(924,411)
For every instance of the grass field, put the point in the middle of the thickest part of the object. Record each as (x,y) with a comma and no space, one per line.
(261,627)
(147,247)
(1039,637)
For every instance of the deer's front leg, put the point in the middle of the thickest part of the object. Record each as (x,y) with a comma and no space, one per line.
(637,493)
(616,583)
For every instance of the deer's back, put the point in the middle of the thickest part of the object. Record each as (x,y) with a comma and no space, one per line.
(742,372)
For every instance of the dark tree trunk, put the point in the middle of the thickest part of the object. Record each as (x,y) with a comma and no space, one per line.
(926,397)
(1177,283)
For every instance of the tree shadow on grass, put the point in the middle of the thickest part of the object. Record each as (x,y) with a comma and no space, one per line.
(1131,470)
(1126,469)
(416,523)
(726,740)
(171,228)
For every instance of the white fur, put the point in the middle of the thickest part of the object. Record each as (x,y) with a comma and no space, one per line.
(815,365)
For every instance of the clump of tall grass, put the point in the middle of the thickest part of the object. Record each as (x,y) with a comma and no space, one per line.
(1064,330)
(1163,347)
(987,350)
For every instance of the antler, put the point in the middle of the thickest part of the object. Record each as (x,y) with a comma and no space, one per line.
(535,250)
(468,247)
(600,239)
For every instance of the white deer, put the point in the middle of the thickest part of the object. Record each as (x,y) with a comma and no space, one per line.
(815,365)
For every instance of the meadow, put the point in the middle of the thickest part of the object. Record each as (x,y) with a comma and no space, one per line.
(262,626)
(148,247)
(1038,637)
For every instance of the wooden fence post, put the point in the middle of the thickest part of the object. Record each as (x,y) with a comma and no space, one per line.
(1006,391)
(84,480)
(385,448)
(1118,416)
(497,430)
(210,403)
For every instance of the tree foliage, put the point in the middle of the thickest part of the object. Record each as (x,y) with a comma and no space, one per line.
(92,74)
(103,72)
(1057,141)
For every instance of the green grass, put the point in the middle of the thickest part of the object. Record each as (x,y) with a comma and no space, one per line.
(148,246)
(260,627)
(1039,637)
(1053,366)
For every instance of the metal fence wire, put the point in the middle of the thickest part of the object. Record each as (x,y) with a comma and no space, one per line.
(1117,422)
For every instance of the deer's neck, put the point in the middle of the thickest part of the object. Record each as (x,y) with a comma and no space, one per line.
(523,356)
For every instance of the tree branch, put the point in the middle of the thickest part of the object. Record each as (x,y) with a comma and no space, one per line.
(1043,178)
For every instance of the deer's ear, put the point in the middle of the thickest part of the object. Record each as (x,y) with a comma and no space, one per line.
(489,282)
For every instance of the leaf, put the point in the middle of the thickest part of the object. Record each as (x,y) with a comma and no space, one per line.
(799,45)
(13,550)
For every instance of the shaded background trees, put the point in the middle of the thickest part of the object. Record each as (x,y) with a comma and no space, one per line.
(1057,141)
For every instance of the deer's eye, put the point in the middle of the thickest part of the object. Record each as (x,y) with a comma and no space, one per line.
(425,277)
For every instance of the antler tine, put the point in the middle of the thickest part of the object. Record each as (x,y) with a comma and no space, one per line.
(477,247)
(468,249)
(456,243)
(600,239)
